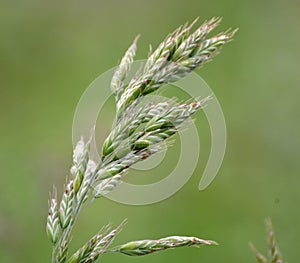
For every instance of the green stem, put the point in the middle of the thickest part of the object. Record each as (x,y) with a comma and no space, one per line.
(53,254)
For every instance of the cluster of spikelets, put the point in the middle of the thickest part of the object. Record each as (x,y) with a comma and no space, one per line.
(274,253)
(139,130)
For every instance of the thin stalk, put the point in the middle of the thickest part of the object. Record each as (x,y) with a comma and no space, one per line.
(53,254)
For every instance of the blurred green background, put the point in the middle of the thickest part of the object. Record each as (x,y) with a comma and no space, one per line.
(51,50)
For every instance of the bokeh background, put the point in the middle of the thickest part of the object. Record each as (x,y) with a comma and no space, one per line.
(51,50)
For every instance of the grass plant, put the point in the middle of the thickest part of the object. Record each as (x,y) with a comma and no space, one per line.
(138,132)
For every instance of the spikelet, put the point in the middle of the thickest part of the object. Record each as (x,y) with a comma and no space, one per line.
(145,247)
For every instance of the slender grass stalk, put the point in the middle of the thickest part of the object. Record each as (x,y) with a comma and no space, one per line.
(273,253)
(138,133)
